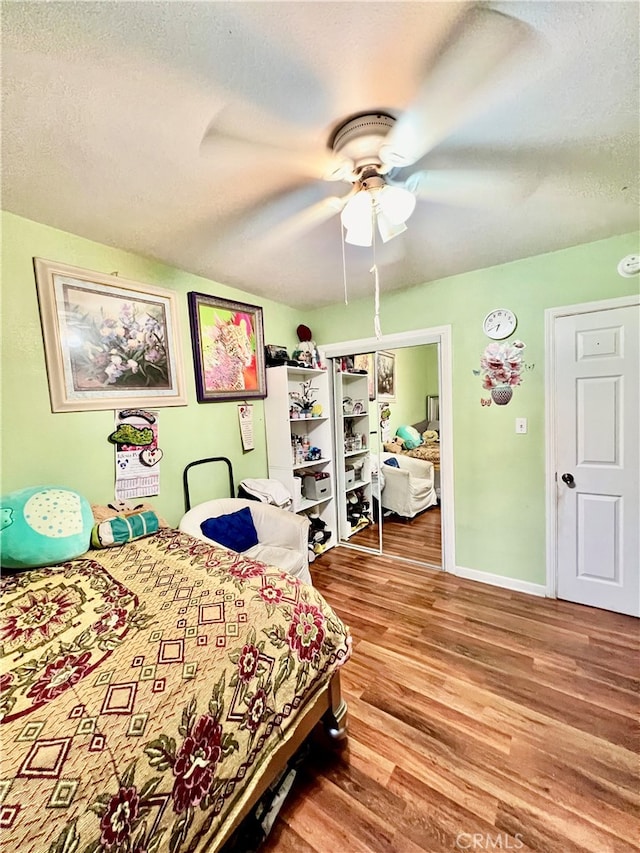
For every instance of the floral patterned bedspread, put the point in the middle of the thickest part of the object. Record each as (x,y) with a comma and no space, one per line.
(428,452)
(143,688)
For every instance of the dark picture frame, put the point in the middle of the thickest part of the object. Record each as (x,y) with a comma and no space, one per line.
(386,376)
(227,338)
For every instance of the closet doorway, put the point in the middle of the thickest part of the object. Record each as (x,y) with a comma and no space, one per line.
(395,496)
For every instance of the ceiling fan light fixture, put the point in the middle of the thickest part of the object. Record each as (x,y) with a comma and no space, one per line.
(361,235)
(357,210)
(388,229)
(396,203)
(392,206)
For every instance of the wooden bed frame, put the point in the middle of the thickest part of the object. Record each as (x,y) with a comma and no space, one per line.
(327,706)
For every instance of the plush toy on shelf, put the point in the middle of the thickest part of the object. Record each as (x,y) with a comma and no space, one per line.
(306,352)
(358,509)
(396,445)
(318,537)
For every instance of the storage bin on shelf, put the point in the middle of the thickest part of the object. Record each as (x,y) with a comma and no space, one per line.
(316,485)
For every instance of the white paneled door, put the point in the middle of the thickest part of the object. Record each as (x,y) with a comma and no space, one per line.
(597,409)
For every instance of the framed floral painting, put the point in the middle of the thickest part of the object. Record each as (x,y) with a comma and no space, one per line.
(228,349)
(109,343)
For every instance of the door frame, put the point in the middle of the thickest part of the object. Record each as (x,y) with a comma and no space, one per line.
(435,335)
(550,316)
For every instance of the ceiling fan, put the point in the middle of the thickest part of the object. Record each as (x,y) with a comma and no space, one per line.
(359,148)
(376,150)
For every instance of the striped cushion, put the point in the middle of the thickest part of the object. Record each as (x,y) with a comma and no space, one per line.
(123,528)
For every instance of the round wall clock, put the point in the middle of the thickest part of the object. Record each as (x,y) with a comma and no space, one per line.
(499,324)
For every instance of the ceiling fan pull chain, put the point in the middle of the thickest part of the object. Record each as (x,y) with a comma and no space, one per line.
(376,319)
(344,265)
(376,303)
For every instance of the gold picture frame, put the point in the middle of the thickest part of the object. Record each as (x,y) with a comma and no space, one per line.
(109,343)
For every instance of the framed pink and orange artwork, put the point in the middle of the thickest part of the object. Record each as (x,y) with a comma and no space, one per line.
(228,349)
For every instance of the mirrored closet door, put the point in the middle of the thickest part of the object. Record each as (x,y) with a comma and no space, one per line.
(388,453)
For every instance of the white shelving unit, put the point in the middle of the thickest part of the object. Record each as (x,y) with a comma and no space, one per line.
(352,442)
(315,432)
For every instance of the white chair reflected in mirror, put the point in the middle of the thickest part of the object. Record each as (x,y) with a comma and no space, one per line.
(408,488)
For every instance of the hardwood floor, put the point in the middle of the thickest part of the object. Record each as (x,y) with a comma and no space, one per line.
(479,719)
(418,538)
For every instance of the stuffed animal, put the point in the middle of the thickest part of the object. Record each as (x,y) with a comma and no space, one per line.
(43,525)
(103,512)
(306,351)
(318,536)
(410,436)
(357,508)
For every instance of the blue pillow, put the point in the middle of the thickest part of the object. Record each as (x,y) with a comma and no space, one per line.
(235,530)
(392,463)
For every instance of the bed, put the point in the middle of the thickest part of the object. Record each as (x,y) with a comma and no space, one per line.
(150,693)
(426,452)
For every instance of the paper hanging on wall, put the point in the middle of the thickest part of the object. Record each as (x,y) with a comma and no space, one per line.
(137,465)
(385,423)
(245,417)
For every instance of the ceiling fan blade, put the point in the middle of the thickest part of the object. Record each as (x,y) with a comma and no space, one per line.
(472,187)
(304,221)
(314,162)
(479,49)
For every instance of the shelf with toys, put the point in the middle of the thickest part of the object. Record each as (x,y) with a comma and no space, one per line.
(352,451)
(299,445)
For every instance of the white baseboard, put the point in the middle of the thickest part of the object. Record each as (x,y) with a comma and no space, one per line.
(500,580)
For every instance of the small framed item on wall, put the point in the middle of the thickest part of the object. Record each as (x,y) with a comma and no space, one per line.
(386,376)
(109,343)
(228,349)
(365,362)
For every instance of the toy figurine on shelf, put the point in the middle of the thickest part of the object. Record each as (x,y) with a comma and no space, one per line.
(306,352)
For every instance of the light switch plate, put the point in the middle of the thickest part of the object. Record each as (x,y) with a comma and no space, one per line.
(521,426)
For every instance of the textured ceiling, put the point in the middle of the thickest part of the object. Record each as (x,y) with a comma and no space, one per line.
(106,105)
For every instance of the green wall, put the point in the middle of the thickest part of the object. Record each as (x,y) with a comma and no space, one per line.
(498,476)
(415,374)
(71,449)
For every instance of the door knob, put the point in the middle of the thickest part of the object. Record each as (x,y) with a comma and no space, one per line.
(568,479)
